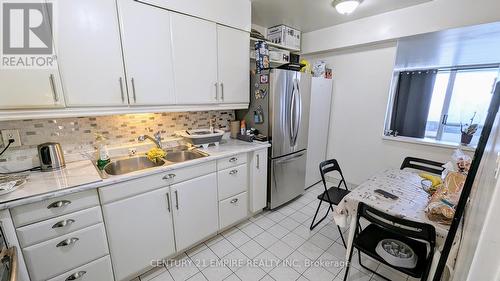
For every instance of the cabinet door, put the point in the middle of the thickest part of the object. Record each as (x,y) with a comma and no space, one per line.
(28,88)
(258,181)
(139,230)
(90,55)
(195,210)
(233,66)
(147,52)
(194,44)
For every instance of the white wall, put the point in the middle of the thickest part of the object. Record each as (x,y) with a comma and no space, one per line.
(427,17)
(361,82)
(478,257)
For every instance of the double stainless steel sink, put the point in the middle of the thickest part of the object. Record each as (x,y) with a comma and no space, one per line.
(136,163)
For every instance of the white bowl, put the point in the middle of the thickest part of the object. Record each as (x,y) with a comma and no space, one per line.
(397,253)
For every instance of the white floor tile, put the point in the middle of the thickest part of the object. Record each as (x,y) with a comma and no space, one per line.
(286,210)
(298,261)
(267,260)
(331,231)
(216,273)
(302,278)
(265,239)
(331,262)
(196,249)
(250,273)
(293,240)
(310,250)
(321,241)
(251,229)
(280,249)
(275,216)
(222,247)
(267,278)
(251,249)
(303,231)
(278,231)
(355,275)
(264,222)
(318,274)
(237,238)
(300,217)
(232,277)
(157,274)
(284,273)
(234,260)
(214,240)
(183,268)
(337,250)
(198,277)
(204,258)
(289,223)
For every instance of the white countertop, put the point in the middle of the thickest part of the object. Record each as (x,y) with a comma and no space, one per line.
(82,175)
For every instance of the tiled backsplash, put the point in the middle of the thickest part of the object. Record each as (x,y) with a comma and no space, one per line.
(78,134)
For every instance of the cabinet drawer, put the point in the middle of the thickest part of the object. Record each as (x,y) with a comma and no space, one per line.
(48,229)
(134,187)
(232,181)
(54,207)
(231,161)
(233,209)
(93,271)
(54,257)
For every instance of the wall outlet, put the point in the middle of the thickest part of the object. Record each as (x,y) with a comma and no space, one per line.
(11,134)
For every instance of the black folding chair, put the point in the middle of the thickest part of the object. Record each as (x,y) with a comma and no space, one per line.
(422,165)
(332,195)
(421,237)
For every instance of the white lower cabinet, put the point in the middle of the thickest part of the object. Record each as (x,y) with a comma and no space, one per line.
(195,211)
(233,209)
(54,257)
(140,230)
(98,270)
(258,180)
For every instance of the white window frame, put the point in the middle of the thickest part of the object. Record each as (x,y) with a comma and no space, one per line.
(434,141)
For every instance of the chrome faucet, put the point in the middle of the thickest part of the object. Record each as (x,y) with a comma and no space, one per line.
(156,139)
(212,124)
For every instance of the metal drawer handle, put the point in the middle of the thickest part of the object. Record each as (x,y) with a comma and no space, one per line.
(53,87)
(76,275)
(67,242)
(121,89)
(233,159)
(233,172)
(168,202)
(169,176)
(63,223)
(176,200)
(59,204)
(233,201)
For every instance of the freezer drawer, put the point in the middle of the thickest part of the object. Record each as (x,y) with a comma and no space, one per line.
(287,178)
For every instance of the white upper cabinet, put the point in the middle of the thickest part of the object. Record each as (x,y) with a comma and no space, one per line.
(234,13)
(195,210)
(90,58)
(30,89)
(146,40)
(194,44)
(233,66)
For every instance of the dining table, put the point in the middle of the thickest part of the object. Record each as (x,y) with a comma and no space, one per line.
(410,204)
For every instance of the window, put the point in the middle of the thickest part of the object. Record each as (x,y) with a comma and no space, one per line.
(435,104)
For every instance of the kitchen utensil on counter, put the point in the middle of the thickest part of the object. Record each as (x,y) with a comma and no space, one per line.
(235,129)
(51,156)
(202,137)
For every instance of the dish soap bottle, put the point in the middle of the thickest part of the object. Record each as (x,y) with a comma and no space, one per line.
(102,152)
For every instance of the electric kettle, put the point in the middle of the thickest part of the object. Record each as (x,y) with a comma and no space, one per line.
(51,156)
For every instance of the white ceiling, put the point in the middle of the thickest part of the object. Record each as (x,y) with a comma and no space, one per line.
(309,15)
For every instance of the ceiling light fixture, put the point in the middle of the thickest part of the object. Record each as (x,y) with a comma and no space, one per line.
(346,7)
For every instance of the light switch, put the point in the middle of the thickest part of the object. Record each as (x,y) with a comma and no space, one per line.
(11,134)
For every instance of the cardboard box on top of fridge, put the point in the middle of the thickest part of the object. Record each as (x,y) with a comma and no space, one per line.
(279,55)
(284,35)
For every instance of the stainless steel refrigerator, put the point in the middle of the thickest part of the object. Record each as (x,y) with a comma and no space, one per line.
(279,109)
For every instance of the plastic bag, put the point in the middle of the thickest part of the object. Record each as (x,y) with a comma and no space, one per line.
(441,207)
(461,160)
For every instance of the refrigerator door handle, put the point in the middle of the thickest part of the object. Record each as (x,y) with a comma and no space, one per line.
(292,115)
(289,158)
(298,113)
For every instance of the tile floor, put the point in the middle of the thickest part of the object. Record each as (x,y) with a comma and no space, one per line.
(274,245)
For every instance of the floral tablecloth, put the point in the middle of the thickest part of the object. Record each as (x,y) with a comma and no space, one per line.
(410,205)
